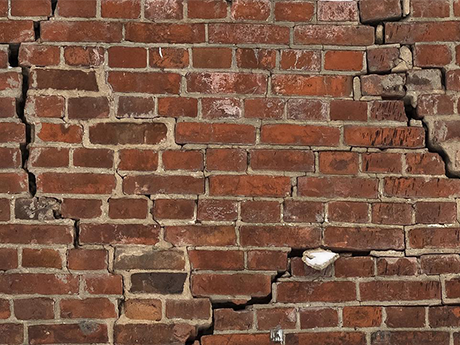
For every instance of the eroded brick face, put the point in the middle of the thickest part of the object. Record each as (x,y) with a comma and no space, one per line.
(164,164)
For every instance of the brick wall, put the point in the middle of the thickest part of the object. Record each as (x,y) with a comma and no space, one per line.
(164,164)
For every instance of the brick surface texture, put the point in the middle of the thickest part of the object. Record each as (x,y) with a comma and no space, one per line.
(165,163)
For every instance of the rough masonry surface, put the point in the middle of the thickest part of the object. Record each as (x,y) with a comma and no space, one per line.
(165,163)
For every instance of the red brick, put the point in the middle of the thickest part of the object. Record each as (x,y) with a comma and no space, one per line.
(127,57)
(435,212)
(63,80)
(10,158)
(31,8)
(207,9)
(250,9)
(156,334)
(287,134)
(183,160)
(148,82)
(81,208)
(103,284)
(205,235)
(311,85)
(173,209)
(279,236)
(343,187)
(119,234)
(45,106)
(84,56)
(264,108)
(435,105)
(347,211)
(90,308)
(303,211)
(127,133)
(48,258)
(164,32)
(5,210)
(81,31)
(260,211)
(294,11)
(37,55)
(10,82)
(226,159)
(424,163)
(248,33)
(362,316)
(303,60)
(334,35)
(12,183)
(12,132)
(143,309)
(195,309)
(75,8)
(93,158)
(408,290)
(139,160)
(392,213)
(400,317)
(34,309)
(433,238)
(163,9)
(212,57)
(256,58)
(284,160)
(420,187)
(382,59)
(440,264)
(267,260)
(12,333)
(318,317)
(218,108)
(379,10)
(411,32)
(397,266)
(421,9)
(229,319)
(364,238)
(9,258)
(38,283)
(224,260)
(359,266)
(128,208)
(64,333)
(404,137)
(17,31)
(76,183)
(168,184)
(120,9)
(411,337)
(343,60)
(178,107)
(338,163)
(382,162)
(8,106)
(87,259)
(214,133)
(228,83)
(304,291)
(169,57)
(214,209)
(306,109)
(36,234)
(432,55)
(255,285)
(348,110)
(388,111)
(250,185)
(271,318)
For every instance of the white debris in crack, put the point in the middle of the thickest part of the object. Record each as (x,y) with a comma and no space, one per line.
(319,259)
